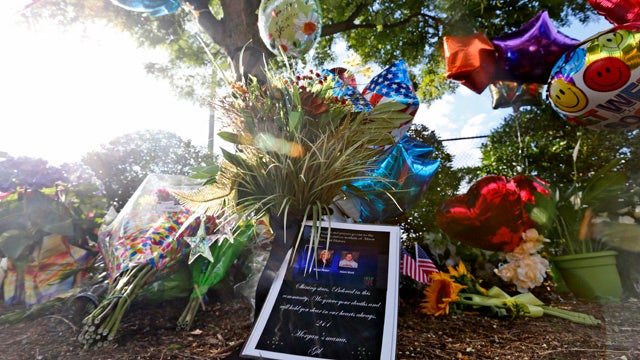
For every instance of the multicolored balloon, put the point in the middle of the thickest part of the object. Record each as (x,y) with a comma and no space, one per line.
(291,27)
(471,60)
(491,215)
(596,84)
(618,12)
(528,54)
(155,8)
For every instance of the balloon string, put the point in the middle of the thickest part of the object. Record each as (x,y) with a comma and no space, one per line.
(516,116)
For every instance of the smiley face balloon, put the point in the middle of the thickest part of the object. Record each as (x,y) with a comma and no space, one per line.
(597,83)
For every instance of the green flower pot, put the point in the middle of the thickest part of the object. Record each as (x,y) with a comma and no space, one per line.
(591,276)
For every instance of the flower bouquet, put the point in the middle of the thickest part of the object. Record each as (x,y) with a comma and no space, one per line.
(304,143)
(300,144)
(495,215)
(459,292)
(139,245)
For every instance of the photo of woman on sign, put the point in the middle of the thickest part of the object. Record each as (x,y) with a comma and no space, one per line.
(324,258)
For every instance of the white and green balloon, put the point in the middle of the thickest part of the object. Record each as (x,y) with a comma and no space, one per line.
(290,27)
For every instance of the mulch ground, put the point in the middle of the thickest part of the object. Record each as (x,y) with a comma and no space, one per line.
(149,331)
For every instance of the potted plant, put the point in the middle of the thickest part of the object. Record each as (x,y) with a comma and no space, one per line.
(583,250)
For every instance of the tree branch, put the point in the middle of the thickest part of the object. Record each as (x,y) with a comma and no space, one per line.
(209,24)
(350,24)
(236,32)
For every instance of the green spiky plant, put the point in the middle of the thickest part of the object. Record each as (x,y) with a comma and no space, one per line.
(298,147)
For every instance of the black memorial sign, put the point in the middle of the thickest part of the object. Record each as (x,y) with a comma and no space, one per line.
(334,302)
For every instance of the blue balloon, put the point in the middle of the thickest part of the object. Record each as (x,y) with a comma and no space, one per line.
(155,8)
(407,170)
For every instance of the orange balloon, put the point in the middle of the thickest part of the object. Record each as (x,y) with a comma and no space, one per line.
(471,60)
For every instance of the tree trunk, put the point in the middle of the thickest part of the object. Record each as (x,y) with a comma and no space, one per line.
(236,33)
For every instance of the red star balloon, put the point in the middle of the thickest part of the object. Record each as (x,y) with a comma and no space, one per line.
(471,60)
(491,215)
(529,53)
(618,12)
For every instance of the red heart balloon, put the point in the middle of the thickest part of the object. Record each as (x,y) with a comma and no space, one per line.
(491,214)
(618,12)
(529,186)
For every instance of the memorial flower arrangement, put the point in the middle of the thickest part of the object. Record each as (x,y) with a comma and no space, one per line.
(459,292)
(525,267)
(301,142)
(498,214)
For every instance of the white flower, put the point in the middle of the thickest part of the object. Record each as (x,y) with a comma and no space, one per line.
(525,268)
(530,234)
(307,25)
(525,273)
(625,219)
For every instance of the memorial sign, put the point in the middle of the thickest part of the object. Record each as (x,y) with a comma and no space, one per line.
(334,301)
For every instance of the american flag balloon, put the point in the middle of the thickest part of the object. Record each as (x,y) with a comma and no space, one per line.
(394,84)
(391,84)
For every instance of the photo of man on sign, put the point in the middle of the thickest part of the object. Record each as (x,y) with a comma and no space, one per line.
(348,261)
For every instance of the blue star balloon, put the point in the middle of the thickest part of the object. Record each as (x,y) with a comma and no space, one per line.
(155,8)
(408,170)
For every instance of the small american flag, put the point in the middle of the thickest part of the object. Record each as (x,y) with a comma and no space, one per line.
(419,269)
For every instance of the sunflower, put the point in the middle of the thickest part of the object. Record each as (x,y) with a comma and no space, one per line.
(462,276)
(460,271)
(442,292)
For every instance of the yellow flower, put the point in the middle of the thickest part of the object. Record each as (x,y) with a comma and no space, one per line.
(461,271)
(442,292)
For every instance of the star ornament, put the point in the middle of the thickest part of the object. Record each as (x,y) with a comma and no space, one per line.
(200,243)
(528,54)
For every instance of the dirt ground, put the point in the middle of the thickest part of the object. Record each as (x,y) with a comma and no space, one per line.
(149,332)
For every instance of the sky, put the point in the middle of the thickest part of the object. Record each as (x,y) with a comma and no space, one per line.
(65,93)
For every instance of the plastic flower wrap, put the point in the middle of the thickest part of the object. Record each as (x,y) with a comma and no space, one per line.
(145,229)
(144,240)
